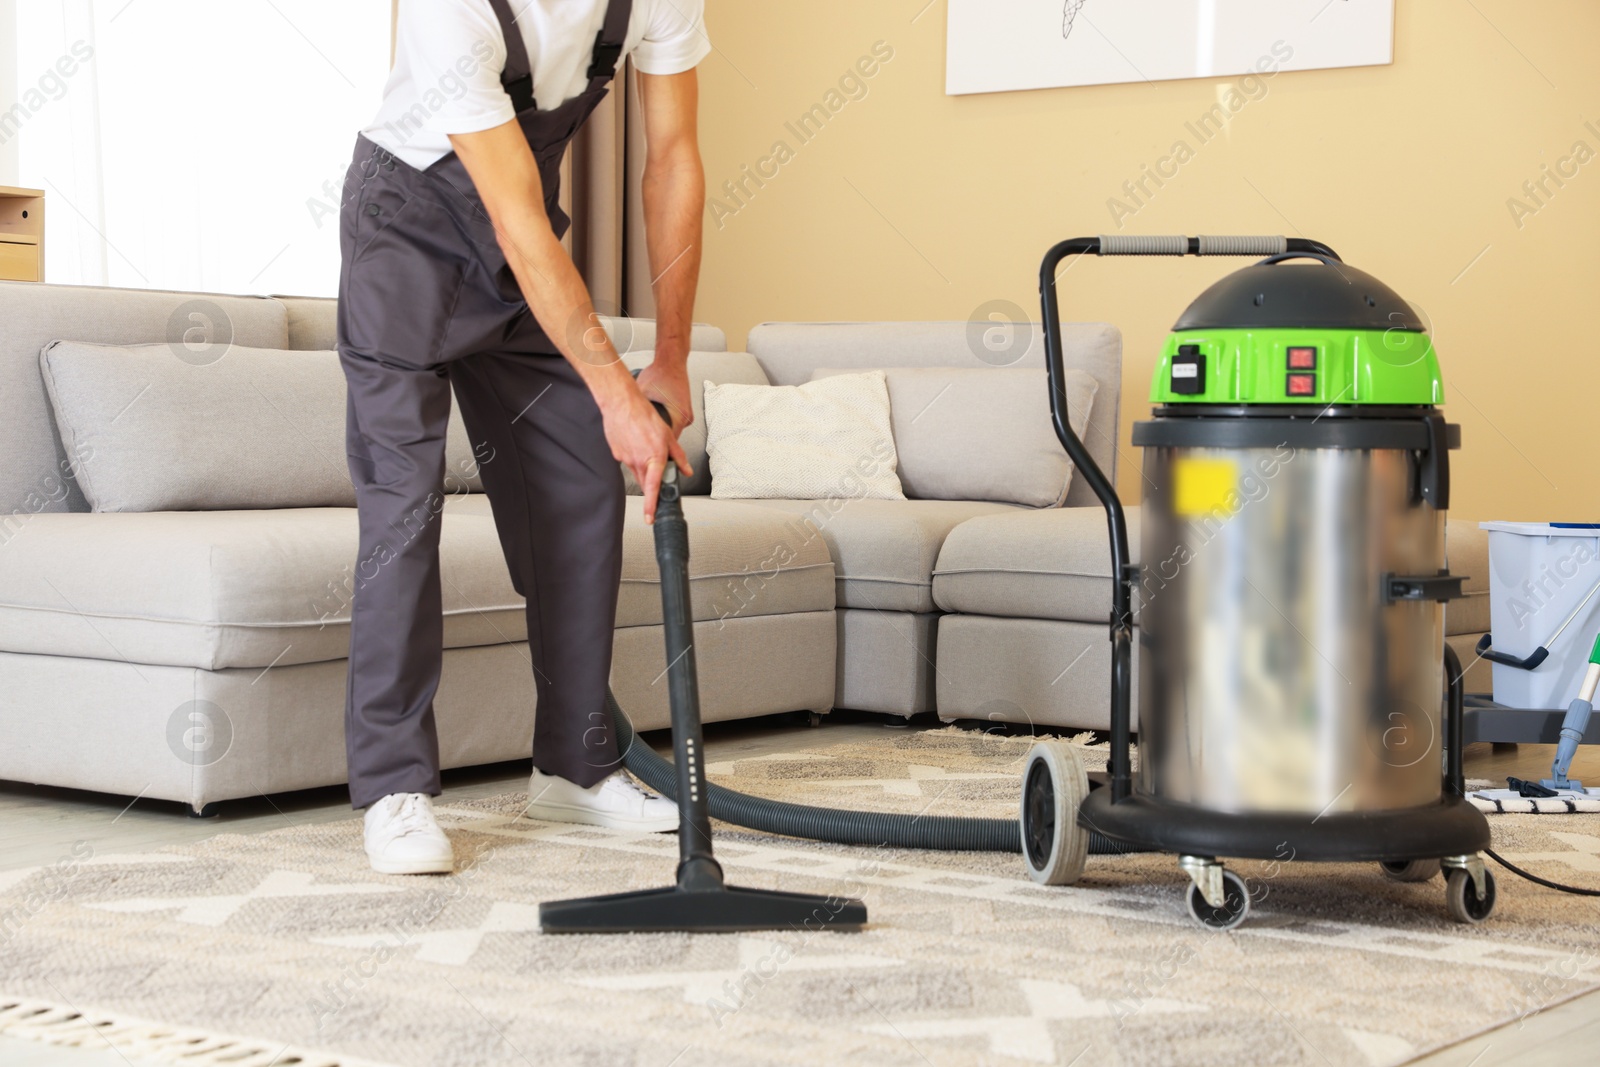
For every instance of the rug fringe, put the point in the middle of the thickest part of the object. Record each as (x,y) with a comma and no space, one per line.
(53,1024)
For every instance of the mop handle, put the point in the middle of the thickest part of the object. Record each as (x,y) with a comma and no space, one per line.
(1575,724)
(1591,678)
(1575,612)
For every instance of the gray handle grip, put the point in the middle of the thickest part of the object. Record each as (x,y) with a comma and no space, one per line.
(1178,245)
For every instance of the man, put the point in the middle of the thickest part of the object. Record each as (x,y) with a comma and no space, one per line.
(454,278)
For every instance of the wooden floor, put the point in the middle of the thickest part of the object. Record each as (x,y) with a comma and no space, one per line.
(37,823)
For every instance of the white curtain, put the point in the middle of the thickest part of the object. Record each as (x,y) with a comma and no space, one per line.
(202,143)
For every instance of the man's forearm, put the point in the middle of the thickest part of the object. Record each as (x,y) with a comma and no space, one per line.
(674,201)
(507,178)
(560,302)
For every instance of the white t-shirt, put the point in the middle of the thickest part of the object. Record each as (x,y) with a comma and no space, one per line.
(449,55)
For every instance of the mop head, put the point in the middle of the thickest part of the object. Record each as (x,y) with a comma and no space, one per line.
(1531,798)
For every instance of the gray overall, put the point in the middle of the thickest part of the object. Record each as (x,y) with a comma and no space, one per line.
(427,302)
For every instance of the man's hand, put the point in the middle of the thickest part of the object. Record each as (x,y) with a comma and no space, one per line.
(668,383)
(641,441)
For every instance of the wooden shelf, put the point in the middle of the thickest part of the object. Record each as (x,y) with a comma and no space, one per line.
(21,234)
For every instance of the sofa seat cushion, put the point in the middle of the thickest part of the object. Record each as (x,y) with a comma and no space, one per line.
(883,550)
(744,561)
(1052,564)
(216,589)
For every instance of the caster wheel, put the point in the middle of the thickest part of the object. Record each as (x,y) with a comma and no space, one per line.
(1410,870)
(1462,899)
(1235,904)
(1054,847)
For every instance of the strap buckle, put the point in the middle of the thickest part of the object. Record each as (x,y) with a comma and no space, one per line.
(606,57)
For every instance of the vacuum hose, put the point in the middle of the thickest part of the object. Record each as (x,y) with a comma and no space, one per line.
(941,833)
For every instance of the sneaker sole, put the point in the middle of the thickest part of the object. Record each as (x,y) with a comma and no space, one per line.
(413,866)
(590,817)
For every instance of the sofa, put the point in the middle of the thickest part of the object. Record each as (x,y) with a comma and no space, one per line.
(197,655)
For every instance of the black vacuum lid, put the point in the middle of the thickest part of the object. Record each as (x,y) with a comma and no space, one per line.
(1297,290)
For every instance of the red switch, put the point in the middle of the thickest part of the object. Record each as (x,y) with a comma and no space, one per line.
(1302,385)
(1302,359)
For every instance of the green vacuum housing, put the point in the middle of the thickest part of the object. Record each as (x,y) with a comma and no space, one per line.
(1320,333)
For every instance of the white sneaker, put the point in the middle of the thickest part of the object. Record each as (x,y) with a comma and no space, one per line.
(403,837)
(617,802)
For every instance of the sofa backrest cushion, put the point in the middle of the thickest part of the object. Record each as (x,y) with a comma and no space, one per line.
(313,324)
(638,336)
(790,352)
(256,428)
(35,476)
(964,434)
(721,368)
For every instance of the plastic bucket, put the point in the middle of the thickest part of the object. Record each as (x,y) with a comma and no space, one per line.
(1538,574)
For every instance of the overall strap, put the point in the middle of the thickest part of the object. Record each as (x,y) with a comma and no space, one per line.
(517,78)
(608,44)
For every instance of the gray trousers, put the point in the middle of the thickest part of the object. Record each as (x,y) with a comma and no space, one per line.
(557,497)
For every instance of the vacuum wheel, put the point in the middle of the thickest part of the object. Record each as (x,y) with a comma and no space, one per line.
(1410,870)
(1462,899)
(1054,783)
(1235,904)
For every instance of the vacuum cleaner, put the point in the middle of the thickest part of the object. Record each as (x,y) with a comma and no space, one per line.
(1297,698)
(1294,673)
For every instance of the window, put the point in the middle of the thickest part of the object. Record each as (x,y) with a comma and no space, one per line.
(195,144)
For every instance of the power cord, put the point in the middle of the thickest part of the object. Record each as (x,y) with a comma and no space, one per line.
(1514,869)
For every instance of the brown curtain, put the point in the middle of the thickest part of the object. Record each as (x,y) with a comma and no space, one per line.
(600,189)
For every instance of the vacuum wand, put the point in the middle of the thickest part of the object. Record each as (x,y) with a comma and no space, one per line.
(699,900)
(696,867)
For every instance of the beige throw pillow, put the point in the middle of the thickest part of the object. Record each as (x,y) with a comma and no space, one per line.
(822,440)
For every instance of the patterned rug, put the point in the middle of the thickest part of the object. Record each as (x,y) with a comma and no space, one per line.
(283,947)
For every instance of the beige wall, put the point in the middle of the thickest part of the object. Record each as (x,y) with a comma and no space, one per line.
(911,204)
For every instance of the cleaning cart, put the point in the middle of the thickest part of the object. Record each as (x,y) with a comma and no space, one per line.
(1544,599)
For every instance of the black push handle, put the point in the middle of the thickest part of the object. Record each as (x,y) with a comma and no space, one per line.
(1522,663)
(1117,244)
(1123,575)
(1281,257)
(1455,779)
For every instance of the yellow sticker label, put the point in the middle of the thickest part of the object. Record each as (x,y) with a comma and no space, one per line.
(1204,487)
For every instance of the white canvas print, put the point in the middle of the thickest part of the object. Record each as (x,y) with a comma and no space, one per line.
(1000,45)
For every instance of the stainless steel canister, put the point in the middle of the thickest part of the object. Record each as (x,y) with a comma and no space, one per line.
(1276,674)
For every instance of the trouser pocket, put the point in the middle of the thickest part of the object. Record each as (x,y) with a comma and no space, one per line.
(402,279)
